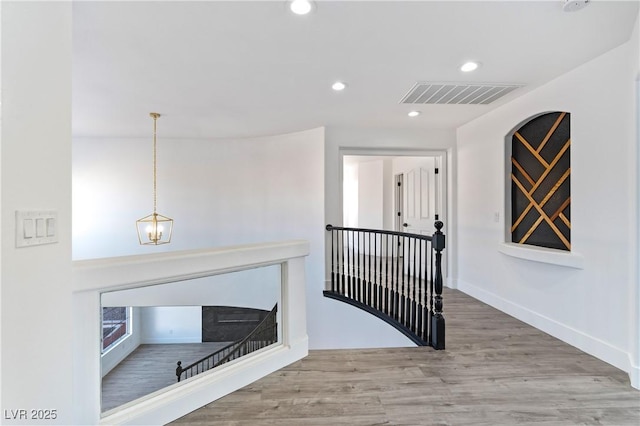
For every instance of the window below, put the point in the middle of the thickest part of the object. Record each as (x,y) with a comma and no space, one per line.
(115,325)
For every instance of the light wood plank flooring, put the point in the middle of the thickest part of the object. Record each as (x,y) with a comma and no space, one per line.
(148,369)
(496,370)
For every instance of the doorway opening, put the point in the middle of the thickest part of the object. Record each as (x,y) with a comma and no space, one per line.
(403,193)
(395,190)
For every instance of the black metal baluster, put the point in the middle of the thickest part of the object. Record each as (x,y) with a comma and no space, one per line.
(369,284)
(352,288)
(341,249)
(398,280)
(411,272)
(345,254)
(414,320)
(358,293)
(430,271)
(422,327)
(378,272)
(393,270)
(386,276)
(375,273)
(349,267)
(390,285)
(403,299)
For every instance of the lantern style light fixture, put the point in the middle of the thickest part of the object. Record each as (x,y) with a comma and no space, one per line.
(154,229)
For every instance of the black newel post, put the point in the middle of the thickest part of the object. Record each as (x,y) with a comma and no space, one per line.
(333,275)
(437,324)
(179,370)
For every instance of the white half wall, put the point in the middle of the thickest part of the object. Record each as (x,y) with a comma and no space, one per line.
(588,308)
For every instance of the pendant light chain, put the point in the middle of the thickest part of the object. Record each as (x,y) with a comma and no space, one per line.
(155,116)
(155,168)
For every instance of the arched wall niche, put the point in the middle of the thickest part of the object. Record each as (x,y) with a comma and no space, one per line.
(538,189)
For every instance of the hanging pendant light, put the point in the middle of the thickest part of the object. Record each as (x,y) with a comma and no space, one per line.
(154,229)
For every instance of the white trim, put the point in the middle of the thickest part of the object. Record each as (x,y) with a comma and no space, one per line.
(542,254)
(634,373)
(589,344)
(170,340)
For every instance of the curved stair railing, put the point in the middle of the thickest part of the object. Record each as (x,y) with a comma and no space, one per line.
(395,276)
(265,334)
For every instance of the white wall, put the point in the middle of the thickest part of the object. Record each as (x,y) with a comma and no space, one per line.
(219,192)
(370,194)
(587,307)
(171,313)
(350,195)
(388,186)
(36,174)
(171,324)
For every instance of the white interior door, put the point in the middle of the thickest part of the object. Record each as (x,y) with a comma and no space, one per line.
(421,198)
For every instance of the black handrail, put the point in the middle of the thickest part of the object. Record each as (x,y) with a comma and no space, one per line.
(396,276)
(267,330)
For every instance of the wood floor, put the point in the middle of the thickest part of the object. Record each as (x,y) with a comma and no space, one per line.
(148,369)
(495,371)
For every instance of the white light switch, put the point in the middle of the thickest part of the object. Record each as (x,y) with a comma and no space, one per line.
(51,227)
(35,227)
(28,228)
(40,227)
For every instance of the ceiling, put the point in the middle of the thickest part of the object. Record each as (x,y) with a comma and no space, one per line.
(218,69)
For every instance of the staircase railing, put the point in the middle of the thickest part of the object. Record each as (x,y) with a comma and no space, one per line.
(265,334)
(396,276)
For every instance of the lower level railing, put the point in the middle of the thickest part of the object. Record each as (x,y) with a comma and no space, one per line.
(265,334)
(394,275)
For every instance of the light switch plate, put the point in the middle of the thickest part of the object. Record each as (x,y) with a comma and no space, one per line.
(36,227)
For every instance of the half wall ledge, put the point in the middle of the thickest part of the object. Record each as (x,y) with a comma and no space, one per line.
(542,255)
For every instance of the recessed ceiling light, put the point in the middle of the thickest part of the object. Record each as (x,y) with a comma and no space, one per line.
(573,5)
(338,86)
(413,114)
(469,66)
(300,7)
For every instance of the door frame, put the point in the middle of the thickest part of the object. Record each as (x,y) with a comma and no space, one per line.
(398,202)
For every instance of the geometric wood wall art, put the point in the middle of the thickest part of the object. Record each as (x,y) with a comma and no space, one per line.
(540,182)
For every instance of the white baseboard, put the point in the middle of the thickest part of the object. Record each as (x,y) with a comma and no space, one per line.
(170,340)
(634,373)
(586,343)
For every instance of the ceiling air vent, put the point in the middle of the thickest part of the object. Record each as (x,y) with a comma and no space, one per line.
(457,93)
